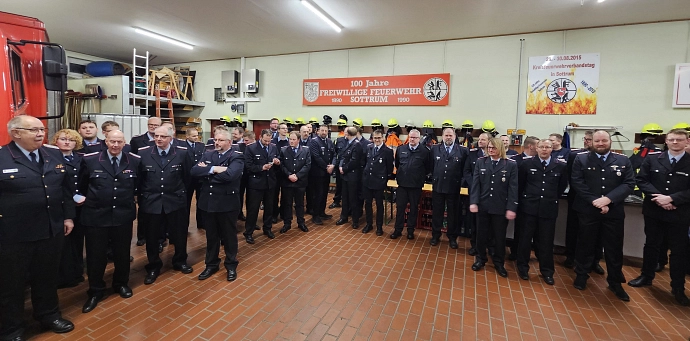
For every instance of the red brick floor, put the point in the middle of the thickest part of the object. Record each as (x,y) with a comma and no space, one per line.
(335,283)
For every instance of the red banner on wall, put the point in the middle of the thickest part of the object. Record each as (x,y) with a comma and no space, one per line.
(429,89)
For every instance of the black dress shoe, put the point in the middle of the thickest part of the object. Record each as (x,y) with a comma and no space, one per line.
(285,229)
(269,234)
(325,216)
(151,277)
(341,221)
(334,205)
(478,265)
(303,227)
(274,220)
(549,280)
(241,217)
(523,275)
(141,242)
(316,221)
(248,238)
(453,243)
(208,272)
(124,291)
(580,282)
(59,325)
(501,270)
(410,235)
(92,302)
(641,281)
(598,269)
(367,228)
(472,251)
(379,231)
(355,226)
(232,275)
(620,293)
(395,235)
(569,263)
(659,267)
(680,297)
(16,338)
(184,268)
(434,241)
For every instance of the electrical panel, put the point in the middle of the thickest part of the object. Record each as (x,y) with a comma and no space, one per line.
(250,80)
(229,80)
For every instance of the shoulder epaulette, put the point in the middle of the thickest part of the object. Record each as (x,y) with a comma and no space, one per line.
(511,160)
(50,146)
(237,151)
(181,140)
(140,135)
(249,144)
(562,160)
(618,153)
(473,149)
(92,154)
(584,152)
(656,152)
(142,148)
(135,155)
(527,156)
(305,147)
(181,147)
(481,157)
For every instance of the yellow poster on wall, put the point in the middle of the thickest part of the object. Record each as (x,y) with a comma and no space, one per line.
(563,84)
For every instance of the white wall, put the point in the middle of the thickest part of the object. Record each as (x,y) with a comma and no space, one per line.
(635,86)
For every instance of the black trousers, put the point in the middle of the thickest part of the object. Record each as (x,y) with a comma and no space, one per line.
(320,186)
(276,196)
(97,238)
(518,225)
(199,216)
(72,259)
(309,191)
(491,225)
(351,201)
(439,202)
(403,196)
(610,230)
(572,231)
(663,251)
(338,196)
(290,195)
(655,230)
(177,230)
(542,230)
(39,261)
(243,189)
(142,223)
(221,225)
(254,199)
(371,195)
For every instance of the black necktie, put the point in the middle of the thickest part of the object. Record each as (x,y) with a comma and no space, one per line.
(543,164)
(69,158)
(495,163)
(376,150)
(602,158)
(295,151)
(266,150)
(114,159)
(163,155)
(448,150)
(34,159)
(673,162)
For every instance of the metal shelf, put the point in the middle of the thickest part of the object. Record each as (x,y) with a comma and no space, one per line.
(165,100)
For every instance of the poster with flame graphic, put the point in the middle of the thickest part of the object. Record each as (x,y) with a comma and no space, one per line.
(563,84)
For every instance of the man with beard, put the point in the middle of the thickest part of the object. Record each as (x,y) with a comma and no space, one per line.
(322,155)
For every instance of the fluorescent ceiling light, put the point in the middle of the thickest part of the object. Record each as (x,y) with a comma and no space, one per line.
(321,14)
(600,1)
(163,38)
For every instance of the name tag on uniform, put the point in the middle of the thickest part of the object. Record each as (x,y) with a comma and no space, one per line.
(681,173)
(13,170)
(126,171)
(97,171)
(532,170)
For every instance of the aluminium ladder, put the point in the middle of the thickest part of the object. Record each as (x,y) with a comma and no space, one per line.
(136,64)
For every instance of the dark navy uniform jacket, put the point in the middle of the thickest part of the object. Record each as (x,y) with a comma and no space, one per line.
(378,167)
(220,192)
(472,156)
(352,162)
(591,180)
(539,189)
(163,184)
(447,169)
(322,154)
(340,145)
(140,141)
(657,176)
(495,189)
(255,157)
(109,194)
(298,164)
(34,201)
(412,165)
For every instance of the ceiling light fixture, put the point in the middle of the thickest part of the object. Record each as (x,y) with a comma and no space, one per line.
(163,38)
(600,1)
(322,14)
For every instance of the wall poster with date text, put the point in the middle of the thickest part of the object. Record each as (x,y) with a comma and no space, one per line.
(563,84)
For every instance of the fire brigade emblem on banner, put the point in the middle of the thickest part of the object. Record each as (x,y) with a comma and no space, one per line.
(311,91)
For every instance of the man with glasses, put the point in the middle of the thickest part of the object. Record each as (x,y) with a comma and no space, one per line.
(37,210)
(281,140)
(322,152)
(275,128)
(261,159)
(663,178)
(145,139)
(164,177)
(413,163)
(377,169)
(195,150)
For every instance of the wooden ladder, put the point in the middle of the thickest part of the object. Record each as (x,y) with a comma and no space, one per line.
(168,96)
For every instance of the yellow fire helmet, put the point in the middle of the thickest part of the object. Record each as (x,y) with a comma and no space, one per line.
(428,124)
(488,126)
(341,122)
(313,120)
(447,124)
(467,124)
(652,128)
(376,123)
(392,123)
(237,119)
(682,125)
(288,120)
(357,122)
(225,118)
(299,120)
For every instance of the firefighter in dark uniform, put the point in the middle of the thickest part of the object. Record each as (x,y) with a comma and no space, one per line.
(146,139)
(447,166)
(494,197)
(471,218)
(664,178)
(541,181)
(163,181)
(377,169)
(242,148)
(261,159)
(340,145)
(280,140)
(413,163)
(195,151)
(529,149)
(350,168)
(322,153)
(220,172)
(295,162)
(36,211)
(109,180)
(602,180)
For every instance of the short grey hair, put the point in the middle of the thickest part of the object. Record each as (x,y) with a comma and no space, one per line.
(224,132)
(14,123)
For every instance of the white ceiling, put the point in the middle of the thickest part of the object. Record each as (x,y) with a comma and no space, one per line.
(222,29)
